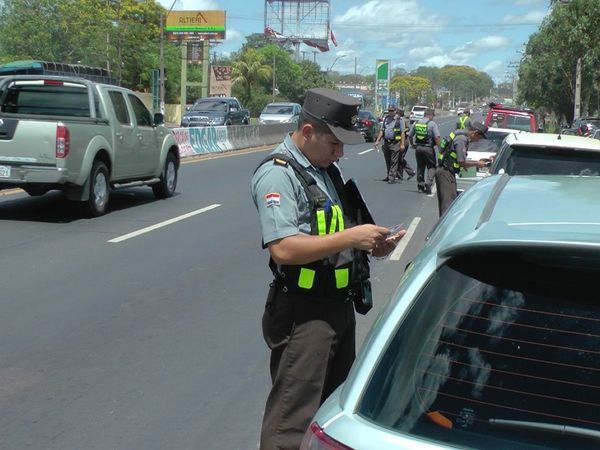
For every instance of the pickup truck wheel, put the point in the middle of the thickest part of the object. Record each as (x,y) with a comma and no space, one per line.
(99,190)
(165,188)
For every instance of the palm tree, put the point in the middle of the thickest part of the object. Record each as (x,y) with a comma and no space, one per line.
(249,72)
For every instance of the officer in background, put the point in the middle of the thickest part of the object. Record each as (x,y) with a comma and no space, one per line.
(454,157)
(464,120)
(424,135)
(403,165)
(316,229)
(392,133)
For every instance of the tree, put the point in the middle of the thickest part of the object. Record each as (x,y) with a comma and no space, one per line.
(413,89)
(250,73)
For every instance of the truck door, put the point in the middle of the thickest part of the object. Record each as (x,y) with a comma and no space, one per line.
(124,140)
(235,111)
(148,147)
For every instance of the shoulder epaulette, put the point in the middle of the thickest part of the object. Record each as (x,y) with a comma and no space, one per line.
(280,162)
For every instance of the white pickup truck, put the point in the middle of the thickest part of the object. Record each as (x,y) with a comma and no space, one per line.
(83,138)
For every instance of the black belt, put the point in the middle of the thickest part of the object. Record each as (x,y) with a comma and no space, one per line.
(341,295)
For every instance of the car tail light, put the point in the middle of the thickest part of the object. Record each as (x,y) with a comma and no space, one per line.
(316,439)
(368,122)
(63,141)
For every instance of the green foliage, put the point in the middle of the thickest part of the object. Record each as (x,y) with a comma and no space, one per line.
(412,88)
(547,71)
(250,73)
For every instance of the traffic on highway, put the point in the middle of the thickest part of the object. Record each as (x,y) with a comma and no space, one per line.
(212,241)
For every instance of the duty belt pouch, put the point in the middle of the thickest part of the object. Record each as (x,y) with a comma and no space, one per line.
(363,300)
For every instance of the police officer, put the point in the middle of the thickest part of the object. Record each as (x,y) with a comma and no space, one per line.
(454,157)
(392,133)
(317,234)
(403,165)
(464,120)
(424,135)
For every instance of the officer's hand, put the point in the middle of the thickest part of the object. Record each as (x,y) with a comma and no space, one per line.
(388,245)
(483,163)
(366,237)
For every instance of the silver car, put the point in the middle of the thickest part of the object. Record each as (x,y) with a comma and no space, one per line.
(280,113)
(491,339)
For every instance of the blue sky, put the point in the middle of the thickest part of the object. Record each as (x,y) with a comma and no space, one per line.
(485,34)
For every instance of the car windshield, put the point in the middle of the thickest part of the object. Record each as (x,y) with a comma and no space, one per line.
(525,160)
(515,339)
(496,137)
(517,123)
(210,105)
(278,109)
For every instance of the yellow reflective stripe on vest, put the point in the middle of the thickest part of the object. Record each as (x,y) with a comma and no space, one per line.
(340,216)
(342,278)
(321,223)
(334,220)
(306,278)
(462,121)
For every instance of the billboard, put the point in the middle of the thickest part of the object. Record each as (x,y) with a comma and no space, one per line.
(298,20)
(195,25)
(220,81)
(382,82)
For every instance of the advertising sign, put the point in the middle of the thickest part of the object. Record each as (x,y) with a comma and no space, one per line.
(382,82)
(195,25)
(220,81)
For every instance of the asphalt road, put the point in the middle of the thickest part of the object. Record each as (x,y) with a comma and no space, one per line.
(131,332)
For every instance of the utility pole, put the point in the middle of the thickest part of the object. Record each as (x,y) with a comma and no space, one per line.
(274,88)
(577,109)
(162,58)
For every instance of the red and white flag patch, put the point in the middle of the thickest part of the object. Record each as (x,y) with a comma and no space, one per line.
(273,199)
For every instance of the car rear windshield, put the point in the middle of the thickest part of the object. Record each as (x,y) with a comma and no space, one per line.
(278,109)
(210,105)
(364,114)
(524,160)
(419,108)
(497,355)
(38,98)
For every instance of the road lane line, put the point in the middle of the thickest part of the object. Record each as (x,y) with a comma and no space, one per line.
(162,224)
(397,253)
(366,151)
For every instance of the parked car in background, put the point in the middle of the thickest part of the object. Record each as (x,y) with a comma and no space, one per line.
(417,112)
(491,339)
(501,116)
(280,113)
(548,154)
(82,138)
(216,111)
(367,125)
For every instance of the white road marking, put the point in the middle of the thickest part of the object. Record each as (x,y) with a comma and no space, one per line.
(366,151)
(397,253)
(162,224)
(433,190)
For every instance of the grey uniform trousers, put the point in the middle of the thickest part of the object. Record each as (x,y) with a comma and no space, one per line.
(445,181)
(425,160)
(312,344)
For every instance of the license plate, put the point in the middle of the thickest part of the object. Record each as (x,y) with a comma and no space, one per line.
(4,171)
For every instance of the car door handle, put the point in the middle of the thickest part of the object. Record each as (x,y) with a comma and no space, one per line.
(119,136)
(139,136)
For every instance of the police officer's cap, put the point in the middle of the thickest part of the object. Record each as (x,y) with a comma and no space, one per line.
(391,108)
(479,127)
(338,111)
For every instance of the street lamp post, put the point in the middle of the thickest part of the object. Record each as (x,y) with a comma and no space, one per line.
(162,57)
(334,61)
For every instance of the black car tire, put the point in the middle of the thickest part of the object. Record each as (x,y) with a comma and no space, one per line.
(165,188)
(99,185)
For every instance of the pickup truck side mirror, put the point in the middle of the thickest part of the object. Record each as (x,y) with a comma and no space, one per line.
(233,109)
(159,118)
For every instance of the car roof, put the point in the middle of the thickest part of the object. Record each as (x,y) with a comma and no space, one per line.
(512,211)
(506,130)
(282,104)
(552,140)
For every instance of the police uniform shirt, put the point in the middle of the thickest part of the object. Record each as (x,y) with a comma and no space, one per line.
(433,131)
(389,119)
(460,144)
(280,199)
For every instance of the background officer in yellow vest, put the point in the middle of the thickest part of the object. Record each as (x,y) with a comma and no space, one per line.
(318,236)
(452,159)
(464,120)
(424,136)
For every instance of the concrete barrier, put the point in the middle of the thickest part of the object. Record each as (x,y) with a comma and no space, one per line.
(204,140)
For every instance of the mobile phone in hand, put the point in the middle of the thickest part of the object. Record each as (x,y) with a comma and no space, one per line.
(395,230)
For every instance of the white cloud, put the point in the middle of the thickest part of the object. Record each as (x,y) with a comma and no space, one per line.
(493,66)
(425,52)
(233,36)
(528,18)
(190,5)
(491,42)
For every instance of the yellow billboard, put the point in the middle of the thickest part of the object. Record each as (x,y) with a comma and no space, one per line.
(196,25)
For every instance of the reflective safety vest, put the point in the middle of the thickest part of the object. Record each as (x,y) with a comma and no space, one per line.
(462,122)
(336,275)
(392,132)
(447,157)
(422,133)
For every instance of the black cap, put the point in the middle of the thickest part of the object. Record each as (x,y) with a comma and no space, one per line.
(391,108)
(338,111)
(479,127)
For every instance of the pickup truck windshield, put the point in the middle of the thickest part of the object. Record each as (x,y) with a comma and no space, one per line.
(61,99)
(210,105)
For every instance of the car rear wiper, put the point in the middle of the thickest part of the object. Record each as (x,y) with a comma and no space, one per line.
(550,427)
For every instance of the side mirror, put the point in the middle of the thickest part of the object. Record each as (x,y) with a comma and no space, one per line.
(159,118)
(187,108)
